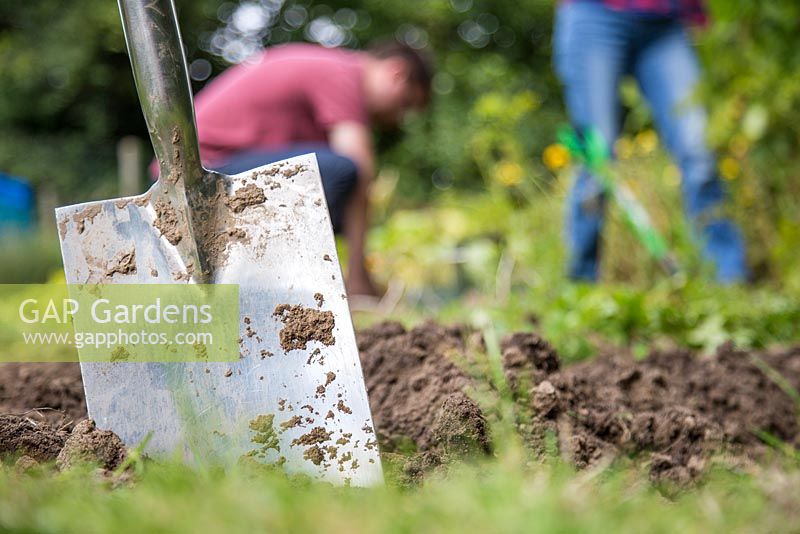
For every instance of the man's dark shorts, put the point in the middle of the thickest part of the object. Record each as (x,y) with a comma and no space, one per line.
(339,174)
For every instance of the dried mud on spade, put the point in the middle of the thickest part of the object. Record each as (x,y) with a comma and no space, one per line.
(674,411)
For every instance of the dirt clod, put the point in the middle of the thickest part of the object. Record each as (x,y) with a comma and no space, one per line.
(342,407)
(167,221)
(244,197)
(86,215)
(315,436)
(20,435)
(291,422)
(410,378)
(302,325)
(527,358)
(122,263)
(264,434)
(25,463)
(89,444)
(459,428)
(314,454)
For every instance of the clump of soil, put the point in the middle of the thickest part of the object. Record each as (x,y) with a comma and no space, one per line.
(460,427)
(315,436)
(123,263)
(244,197)
(41,442)
(86,215)
(89,444)
(302,325)
(167,221)
(527,358)
(37,440)
(264,434)
(416,391)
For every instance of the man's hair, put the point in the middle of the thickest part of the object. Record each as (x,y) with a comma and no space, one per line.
(420,71)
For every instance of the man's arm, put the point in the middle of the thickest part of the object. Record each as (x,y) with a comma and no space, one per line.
(354,140)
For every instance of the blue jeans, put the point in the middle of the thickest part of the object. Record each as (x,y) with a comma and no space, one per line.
(339,173)
(594,47)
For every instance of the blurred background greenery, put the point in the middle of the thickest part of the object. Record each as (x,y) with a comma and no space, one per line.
(468,202)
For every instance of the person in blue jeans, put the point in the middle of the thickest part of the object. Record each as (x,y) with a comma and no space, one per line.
(596,43)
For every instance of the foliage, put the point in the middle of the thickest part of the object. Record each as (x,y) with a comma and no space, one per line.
(752,86)
(67,97)
(67,94)
(501,495)
(498,258)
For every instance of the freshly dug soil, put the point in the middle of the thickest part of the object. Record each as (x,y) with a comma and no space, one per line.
(51,392)
(675,411)
(37,440)
(416,388)
(34,441)
(87,443)
(676,406)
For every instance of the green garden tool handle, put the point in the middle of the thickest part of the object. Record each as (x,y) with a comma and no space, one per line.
(591,150)
(162,82)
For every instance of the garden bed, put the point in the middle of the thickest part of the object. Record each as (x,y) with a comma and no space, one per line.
(434,401)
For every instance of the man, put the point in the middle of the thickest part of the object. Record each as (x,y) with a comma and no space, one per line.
(300,98)
(596,42)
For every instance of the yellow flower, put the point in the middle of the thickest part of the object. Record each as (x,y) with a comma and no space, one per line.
(555,157)
(508,173)
(729,168)
(646,141)
(623,148)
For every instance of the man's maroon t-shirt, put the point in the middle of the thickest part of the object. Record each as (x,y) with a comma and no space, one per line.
(289,94)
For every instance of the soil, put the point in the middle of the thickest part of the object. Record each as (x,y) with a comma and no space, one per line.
(36,440)
(249,195)
(167,221)
(215,227)
(87,215)
(674,411)
(264,434)
(412,383)
(315,436)
(41,442)
(677,407)
(302,325)
(49,392)
(87,443)
(123,263)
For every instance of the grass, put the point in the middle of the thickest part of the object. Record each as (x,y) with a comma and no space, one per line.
(504,494)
